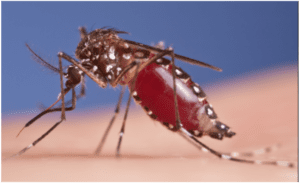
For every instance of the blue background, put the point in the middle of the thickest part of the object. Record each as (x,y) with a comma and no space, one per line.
(239,37)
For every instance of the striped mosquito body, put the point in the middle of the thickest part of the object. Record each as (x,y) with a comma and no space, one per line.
(166,92)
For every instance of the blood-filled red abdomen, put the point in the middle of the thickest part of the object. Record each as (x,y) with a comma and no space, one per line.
(153,90)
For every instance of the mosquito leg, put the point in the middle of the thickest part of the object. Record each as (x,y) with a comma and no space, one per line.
(36,141)
(231,158)
(82,89)
(62,109)
(254,153)
(123,126)
(257,152)
(117,110)
(126,111)
(41,61)
(52,128)
(63,113)
(178,122)
(48,110)
(61,97)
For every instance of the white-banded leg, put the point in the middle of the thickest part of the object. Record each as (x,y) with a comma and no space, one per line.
(53,127)
(126,111)
(229,157)
(262,151)
(62,109)
(117,110)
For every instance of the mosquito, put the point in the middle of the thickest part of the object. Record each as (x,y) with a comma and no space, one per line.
(166,92)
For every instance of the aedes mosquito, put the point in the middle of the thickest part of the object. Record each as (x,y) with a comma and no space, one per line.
(166,93)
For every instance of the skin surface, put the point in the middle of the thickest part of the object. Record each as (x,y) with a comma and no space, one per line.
(261,108)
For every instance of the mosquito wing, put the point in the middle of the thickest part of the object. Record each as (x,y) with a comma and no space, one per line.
(179,57)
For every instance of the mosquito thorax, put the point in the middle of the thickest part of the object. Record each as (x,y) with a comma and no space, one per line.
(103,53)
